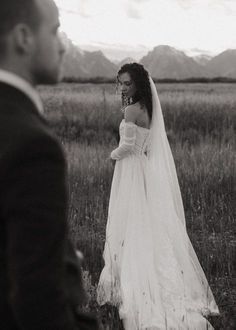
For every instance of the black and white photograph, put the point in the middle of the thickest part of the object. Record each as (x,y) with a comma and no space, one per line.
(118,165)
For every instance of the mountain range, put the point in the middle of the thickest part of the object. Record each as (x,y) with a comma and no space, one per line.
(163,62)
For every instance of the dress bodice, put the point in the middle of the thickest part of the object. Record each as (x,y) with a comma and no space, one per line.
(142,139)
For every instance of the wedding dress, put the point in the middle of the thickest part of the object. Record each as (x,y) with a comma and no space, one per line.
(151,271)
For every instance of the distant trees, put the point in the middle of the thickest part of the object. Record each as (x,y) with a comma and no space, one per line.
(105,80)
(92,80)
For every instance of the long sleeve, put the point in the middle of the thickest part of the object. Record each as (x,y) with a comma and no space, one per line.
(127,143)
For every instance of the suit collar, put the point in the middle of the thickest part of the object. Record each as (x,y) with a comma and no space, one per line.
(21,84)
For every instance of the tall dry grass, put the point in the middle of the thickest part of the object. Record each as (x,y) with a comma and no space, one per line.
(201,125)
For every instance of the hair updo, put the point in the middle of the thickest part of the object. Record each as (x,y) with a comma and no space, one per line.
(140,77)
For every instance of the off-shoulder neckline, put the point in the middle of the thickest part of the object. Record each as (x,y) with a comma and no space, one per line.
(131,123)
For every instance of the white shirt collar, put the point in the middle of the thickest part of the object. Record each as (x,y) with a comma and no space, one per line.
(21,84)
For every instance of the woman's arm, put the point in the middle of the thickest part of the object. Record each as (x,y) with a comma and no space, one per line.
(128,141)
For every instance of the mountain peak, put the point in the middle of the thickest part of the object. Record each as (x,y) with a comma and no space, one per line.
(167,62)
(223,64)
(166,50)
(95,53)
(230,52)
(162,62)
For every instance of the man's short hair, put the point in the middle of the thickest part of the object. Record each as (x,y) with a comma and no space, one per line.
(13,12)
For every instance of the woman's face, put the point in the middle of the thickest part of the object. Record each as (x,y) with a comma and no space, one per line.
(127,85)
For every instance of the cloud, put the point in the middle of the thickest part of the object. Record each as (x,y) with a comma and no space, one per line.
(134,8)
(141,1)
(227,6)
(186,4)
(207,24)
(73,7)
(74,12)
(133,12)
(82,8)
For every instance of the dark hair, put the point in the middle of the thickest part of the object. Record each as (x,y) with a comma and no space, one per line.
(140,77)
(13,12)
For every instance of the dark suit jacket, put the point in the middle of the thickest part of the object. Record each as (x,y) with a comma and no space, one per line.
(40,278)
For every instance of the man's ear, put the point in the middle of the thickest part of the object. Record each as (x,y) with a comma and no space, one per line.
(23,38)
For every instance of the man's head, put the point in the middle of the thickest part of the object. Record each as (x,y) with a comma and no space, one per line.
(29,42)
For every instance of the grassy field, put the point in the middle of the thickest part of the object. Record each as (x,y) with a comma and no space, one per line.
(201,126)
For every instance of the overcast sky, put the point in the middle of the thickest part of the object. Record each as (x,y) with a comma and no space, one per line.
(185,24)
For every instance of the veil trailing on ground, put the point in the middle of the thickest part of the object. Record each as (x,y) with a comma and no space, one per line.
(165,199)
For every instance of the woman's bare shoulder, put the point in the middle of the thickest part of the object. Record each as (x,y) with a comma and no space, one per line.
(132,113)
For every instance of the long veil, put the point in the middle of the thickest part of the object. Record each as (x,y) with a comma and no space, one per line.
(161,155)
(164,194)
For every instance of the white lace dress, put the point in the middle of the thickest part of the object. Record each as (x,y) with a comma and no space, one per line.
(148,273)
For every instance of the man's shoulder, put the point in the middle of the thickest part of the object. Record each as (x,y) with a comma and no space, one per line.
(15,103)
(21,127)
(17,121)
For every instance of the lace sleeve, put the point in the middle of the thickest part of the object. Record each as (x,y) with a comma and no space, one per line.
(127,144)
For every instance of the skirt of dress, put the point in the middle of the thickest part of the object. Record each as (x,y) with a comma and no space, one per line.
(151,271)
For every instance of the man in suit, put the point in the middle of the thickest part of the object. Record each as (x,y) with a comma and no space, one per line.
(40,275)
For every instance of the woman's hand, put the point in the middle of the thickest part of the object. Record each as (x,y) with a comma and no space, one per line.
(109,159)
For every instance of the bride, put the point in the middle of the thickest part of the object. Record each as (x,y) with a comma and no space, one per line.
(151,271)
